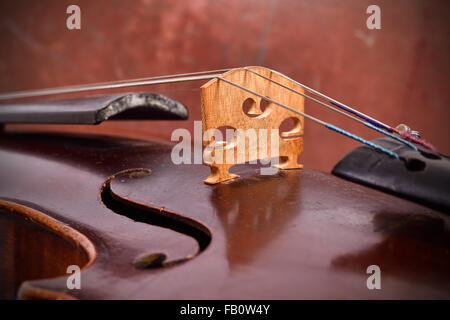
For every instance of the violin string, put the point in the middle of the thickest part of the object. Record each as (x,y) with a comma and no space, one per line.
(368,119)
(339,104)
(192,76)
(367,124)
(408,136)
(205,75)
(325,124)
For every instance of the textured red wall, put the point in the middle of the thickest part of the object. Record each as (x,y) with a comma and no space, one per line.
(397,74)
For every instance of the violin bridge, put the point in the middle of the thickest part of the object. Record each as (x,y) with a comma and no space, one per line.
(255,131)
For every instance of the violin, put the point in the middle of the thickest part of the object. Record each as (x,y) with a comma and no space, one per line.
(141,225)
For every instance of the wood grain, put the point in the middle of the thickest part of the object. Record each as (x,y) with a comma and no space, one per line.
(222,106)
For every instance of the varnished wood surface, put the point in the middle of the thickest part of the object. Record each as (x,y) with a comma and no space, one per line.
(299,234)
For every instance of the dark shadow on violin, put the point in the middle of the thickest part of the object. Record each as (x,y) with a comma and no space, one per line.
(415,248)
(100,153)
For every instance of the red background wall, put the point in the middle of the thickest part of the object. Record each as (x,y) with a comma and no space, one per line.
(399,74)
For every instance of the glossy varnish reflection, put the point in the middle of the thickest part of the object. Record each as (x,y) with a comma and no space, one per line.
(297,234)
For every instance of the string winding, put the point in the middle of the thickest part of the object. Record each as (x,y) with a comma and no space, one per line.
(393,136)
(370,144)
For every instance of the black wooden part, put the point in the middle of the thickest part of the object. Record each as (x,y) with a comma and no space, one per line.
(420,176)
(96,109)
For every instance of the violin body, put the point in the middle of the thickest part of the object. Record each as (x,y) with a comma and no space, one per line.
(141,227)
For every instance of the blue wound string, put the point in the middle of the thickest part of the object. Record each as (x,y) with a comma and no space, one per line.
(393,136)
(327,125)
(370,144)
(367,119)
